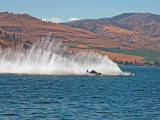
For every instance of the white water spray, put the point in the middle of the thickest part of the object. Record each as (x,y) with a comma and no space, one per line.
(49,58)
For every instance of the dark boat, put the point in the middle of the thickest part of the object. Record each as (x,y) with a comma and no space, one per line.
(93,72)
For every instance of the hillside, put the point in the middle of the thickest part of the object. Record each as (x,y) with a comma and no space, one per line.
(141,30)
(16,29)
(29,28)
(25,27)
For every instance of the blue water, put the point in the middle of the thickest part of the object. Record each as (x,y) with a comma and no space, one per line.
(24,97)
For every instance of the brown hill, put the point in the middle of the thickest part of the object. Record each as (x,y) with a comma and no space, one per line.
(24,29)
(20,28)
(31,28)
(131,29)
(145,23)
(139,22)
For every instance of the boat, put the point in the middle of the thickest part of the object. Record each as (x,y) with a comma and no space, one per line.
(93,72)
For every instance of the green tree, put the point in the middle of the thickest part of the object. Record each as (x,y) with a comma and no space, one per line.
(156,63)
(126,63)
(118,48)
(14,36)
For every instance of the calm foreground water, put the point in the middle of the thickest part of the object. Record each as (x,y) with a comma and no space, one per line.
(82,97)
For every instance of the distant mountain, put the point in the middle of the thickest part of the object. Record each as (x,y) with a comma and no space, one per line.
(19,28)
(146,23)
(139,22)
(140,29)
(114,36)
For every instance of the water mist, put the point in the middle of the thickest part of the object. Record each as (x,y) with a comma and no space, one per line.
(49,57)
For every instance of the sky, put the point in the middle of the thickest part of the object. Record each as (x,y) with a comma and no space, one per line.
(70,10)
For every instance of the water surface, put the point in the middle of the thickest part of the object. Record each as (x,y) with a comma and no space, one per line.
(81,97)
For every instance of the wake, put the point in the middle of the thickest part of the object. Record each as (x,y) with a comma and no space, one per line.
(52,58)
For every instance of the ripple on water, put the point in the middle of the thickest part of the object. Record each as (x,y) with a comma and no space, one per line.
(81,97)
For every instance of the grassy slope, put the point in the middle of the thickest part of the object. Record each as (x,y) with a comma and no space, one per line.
(149,54)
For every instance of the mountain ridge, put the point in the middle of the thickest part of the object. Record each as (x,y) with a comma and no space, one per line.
(24,29)
(143,29)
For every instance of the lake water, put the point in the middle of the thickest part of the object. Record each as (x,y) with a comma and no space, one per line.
(32,97)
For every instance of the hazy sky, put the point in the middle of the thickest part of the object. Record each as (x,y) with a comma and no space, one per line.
(65,10)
